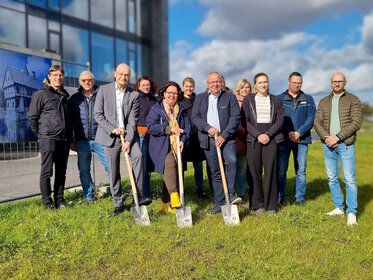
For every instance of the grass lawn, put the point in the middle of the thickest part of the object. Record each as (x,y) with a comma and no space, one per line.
(87,242)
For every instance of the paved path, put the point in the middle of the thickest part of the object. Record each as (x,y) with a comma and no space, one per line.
(19,178)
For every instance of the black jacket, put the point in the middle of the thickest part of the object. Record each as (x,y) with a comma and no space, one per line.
(49,114)
(146,102)
(248,119)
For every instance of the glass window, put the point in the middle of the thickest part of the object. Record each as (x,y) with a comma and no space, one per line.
(102,12)
(122,53)
(54,4)
(131,16)
(139,61)
(132,65)
(75,8)
(54,42)
(37,32)
(138,18)
(102,57)
(121,15)
(18,5)
(75,44)
(54,25)
(39,3)
(15,32)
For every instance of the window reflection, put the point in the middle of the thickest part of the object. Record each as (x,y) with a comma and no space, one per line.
(122,53)
(75,44)
(37,32)
(54,4)
(132,61)
(102,57)
(75,8)
(121,15)
(39,3)
(54,42)
(14,33)
(139,61)
(102,12)
(18,5)
(131,16)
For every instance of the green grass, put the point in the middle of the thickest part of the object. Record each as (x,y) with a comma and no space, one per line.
(83,242)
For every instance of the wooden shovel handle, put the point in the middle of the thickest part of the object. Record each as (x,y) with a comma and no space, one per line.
(129,169)
(222,171)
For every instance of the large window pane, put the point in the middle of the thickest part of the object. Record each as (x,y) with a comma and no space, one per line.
(121,15)
(54,25)
(131,16)
(102,12)
(132,61)
(139,61)
(54,42)
(75,44)
(122,53)
(102,57)
(15,32)
(37,32)
(39,3)
(18,5)
(75,8)
(54,4)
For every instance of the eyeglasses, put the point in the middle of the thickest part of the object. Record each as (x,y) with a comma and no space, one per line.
(214,82)
(337,82)
(123,75)
(86,80)
(296,83)
(171,93)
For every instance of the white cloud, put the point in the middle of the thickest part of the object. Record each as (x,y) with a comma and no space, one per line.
(278,56)
(243,19)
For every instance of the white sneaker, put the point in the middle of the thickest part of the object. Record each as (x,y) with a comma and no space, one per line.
(351,219)
(335,212)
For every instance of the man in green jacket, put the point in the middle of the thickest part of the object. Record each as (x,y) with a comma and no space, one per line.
(337,120)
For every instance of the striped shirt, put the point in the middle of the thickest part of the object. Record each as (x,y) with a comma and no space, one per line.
(263,109)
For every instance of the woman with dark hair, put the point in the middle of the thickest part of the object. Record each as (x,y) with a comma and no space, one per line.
(166,121)
(147,89)
(192,151)
(263,117)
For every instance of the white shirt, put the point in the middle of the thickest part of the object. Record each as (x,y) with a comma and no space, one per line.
(119,95)
(263,109)
(213,112)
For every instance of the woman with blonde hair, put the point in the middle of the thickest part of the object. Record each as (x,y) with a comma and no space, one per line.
(242,89)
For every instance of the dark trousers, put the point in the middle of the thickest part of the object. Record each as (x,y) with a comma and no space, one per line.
(259,156)
(53,152)
(170,177)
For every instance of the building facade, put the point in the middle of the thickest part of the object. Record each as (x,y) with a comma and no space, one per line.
(94,34)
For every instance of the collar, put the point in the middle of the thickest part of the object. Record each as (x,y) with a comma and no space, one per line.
(117,88)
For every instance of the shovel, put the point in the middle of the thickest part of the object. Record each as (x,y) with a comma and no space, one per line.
(230,212)
(140,213)
(183,214)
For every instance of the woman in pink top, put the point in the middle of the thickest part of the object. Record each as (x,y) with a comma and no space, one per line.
(243,89)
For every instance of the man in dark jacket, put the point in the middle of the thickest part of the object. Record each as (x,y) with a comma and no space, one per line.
(84,132)
(337,120)
(216,113)
(300,113)
(49,120)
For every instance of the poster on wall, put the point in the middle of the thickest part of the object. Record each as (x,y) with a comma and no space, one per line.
(20,76)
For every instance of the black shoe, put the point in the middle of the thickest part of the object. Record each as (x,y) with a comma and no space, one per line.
(235,200)
(201,194)
(49,206)
(118,210)
(214,210)
(300,203)
(145,201)
(61,204)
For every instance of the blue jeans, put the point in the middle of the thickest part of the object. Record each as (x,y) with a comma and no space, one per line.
(229,155)
(84,150)
(144,147)
(241,174)
(346,154)
(300,162)
(198,173)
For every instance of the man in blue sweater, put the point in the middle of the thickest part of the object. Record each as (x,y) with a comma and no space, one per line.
(300,113)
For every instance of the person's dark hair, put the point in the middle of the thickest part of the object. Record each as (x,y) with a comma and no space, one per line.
(153,85)
(297,74)
(260,75)
(166,86)
(54,68)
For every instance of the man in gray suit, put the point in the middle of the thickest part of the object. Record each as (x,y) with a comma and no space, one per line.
(116,112)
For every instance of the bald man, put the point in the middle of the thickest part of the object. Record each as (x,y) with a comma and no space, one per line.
(337,120)
(117,112)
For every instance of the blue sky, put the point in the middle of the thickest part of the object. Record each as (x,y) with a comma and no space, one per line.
(242,37)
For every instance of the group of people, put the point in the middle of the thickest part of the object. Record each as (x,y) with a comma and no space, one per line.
(253,128)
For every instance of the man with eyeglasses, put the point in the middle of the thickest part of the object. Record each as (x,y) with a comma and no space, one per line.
(300,113)
(216,114)
(338,118)
(49,120)
(84,132)
(117,110)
